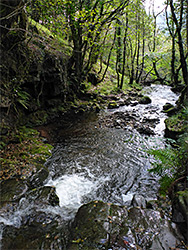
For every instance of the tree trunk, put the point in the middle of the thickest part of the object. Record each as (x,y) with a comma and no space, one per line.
(181,49)
(124,52)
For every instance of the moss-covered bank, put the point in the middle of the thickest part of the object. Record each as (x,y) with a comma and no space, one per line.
(24,155)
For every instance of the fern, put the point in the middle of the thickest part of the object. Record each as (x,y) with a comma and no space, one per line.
(171,162)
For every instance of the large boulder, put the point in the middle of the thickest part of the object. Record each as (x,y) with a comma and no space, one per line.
(100,225)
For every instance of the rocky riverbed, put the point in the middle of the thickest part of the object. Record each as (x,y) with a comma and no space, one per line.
(94,192)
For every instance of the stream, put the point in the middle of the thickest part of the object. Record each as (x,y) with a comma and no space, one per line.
(90,162)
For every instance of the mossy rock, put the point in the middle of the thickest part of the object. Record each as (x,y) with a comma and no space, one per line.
(11,190)
(183,203)
(145,100)
(37,230)
(169,109)
(113,105)
(97,224)
(174,126)
(100,225)
(167,106)
(37,118)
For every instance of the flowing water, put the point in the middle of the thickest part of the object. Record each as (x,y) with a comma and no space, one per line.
(107,164)
(92,163)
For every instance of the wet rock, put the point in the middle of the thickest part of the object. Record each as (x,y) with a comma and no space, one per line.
(146,130)
(42,196)
(121,102)
(180,212)
(169,109)
(139,201)
(165,239)
(151,120)
(127,119)
(11,190)
(145,100)
(167,106)
(38,229)
(134,103)
(113,105)
(38,178)
(100,225)
(97,224)
(35,227)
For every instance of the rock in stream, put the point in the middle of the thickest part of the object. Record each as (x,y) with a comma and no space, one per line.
(100,225)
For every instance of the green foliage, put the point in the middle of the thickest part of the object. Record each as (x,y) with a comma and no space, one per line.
(166,160)
(178,122)
(166,165)
(172,161)
(15,94)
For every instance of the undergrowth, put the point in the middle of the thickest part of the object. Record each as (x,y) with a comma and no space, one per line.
(172,161)
(21,158)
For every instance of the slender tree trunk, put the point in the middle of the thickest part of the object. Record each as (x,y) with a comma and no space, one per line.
(181,48)
(124,52)
(118,52)
(143,51)
(108,61)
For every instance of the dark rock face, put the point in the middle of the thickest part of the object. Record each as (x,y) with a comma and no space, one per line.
(101,225)
(179,196)
(48,78)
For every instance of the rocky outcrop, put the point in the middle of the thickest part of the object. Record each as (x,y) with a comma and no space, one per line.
(34,83)
(101,225)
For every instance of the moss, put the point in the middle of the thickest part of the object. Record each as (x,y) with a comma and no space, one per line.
(37,118)
(46,39)
(112,105)
(145,100)
(97,225)
(23,158)
(175,123)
